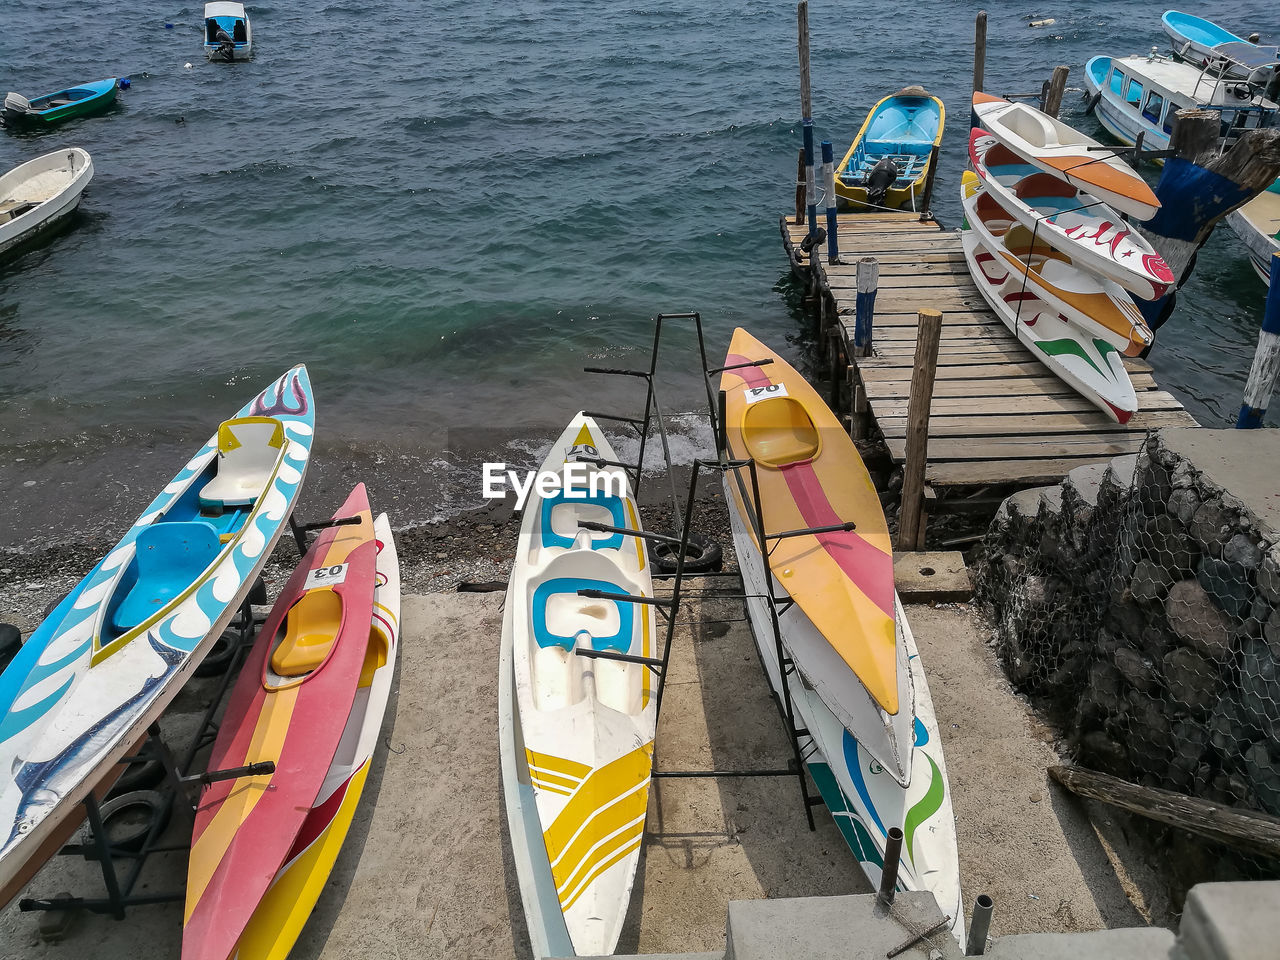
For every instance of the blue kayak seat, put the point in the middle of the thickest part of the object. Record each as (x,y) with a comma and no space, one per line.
(169,557)
(580,612)
(599,541)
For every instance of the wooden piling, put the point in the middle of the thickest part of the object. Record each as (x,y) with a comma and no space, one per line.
(1266,358)
(800,185)
(926,202)
(979,50)
(920,399)
(1057,84)
(829,187)
(868,283)
(802,21)
(806,108)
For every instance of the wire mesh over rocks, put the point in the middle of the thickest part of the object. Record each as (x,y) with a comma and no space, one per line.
(1138,606)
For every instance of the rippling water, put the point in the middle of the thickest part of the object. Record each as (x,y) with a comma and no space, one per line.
(447,209)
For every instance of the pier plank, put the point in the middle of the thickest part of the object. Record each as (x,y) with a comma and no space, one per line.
(997,415)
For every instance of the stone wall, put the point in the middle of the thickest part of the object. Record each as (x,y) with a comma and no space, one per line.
(1138,605)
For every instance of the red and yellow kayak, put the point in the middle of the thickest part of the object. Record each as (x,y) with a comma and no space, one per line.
(290,705)
(810,475)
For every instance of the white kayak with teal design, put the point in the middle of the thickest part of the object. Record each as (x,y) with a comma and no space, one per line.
(864,798)
(113,653)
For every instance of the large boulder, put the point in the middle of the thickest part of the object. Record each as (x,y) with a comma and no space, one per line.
(1194,617)
(1193,681)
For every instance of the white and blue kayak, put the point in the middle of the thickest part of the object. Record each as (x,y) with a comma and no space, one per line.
(575,729)
(114,652)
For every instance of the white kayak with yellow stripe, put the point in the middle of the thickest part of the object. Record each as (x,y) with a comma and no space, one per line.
(576,731)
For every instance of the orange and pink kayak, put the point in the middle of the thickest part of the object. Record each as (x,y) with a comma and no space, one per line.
(290,705)
(810,475)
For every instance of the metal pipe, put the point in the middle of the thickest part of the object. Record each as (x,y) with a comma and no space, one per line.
(889,875)
(979,924)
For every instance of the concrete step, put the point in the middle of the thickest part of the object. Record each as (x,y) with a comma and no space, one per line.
(1136,943)
(1086,481)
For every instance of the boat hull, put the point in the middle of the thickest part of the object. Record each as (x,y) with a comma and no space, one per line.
(91,98)
(576,732)
(1257,224)
(290,707)
(71,170)
(863,799)
(53,750)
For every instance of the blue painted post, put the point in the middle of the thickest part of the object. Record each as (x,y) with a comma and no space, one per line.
(865,305)
(810,177)
(829,185)
(1266,359)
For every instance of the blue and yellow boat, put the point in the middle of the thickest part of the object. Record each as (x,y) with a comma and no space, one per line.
(888,162)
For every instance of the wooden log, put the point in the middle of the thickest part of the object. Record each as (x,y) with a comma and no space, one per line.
(979,49)
(910,525)
(1194,200)
(859,421)
(802,24)
(1057,84)
(865,305)
(1248,830)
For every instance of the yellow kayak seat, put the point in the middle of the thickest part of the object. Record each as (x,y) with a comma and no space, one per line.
(779,431)
(310,629)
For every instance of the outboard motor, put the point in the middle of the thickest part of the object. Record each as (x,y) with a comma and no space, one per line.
(16,104)
(879,180)
(226,46)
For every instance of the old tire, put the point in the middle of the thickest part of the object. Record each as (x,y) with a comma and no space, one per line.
(703,556)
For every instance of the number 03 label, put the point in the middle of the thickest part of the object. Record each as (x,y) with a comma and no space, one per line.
(326,576)
(762,393)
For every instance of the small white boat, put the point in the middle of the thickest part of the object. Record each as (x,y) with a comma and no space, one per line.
(1080,225)
(227,34)
(1143,94)
(1202,42)
(1257,224)
(576,724)
(1066,153)
(38,194)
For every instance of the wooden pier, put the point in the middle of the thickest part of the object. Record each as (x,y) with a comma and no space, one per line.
(998,418)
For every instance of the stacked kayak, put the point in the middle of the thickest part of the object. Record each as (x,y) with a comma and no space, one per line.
(870,736)
(888,162)
(114,652)
(1072,221)
(1051,255)
(576,725)
(310,699)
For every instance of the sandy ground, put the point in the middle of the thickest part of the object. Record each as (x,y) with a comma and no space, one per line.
(427,869)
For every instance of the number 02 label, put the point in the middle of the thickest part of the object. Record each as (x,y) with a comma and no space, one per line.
(326,576)
(761,393)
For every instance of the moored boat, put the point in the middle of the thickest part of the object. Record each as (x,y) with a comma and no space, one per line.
(115,651)
(227,33)
(1202,42)
(888,162)
(291,705)
(1143,94)
(63,105)
(1257,224)
(575,729)
(1081,226)
(875,754)
(1097,305)
(37,195)
(1066,153)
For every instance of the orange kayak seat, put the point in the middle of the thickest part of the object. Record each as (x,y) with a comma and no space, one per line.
(310,629)
(778,431)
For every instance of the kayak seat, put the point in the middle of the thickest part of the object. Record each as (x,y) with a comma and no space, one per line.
(557,607)
(778,431)
(599,541)
(1043,185)
(248,449)
(169,557)
(310,628)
